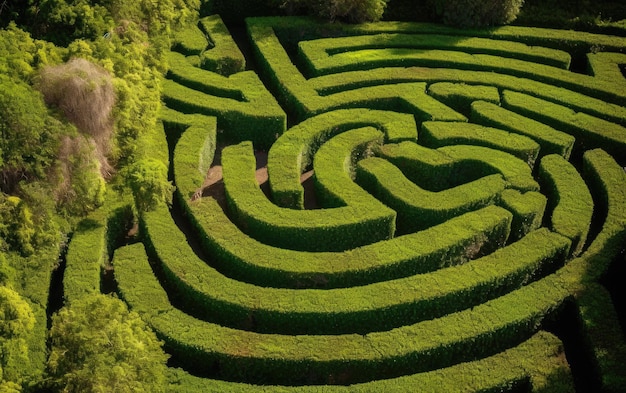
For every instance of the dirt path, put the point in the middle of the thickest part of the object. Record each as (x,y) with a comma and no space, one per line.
(213,185)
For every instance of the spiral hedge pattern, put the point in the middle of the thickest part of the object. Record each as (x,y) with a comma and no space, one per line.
(439,210)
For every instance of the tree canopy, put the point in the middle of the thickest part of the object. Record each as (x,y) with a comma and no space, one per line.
(98,345)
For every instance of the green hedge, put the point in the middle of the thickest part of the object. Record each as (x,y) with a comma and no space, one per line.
(355,220)
(515,171)
(224,57)
(380,58)
(606,179)
(418,208)
(589,131)
(460,96)
(575,42)
(293,152)
(244,108)
(550,140)
(194,151)
(341,84)
(297,95)
(246,259)
(183,72)
(605,65)
(319,51)
(209,45)
(93,240)
(429,168)
(539,361)
(340,310)
(438,134)
(454,165)
(569,201)
(484,330)
(305,97)
(190,41)
(527,209)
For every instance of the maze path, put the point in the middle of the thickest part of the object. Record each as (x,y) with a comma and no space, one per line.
(497,172)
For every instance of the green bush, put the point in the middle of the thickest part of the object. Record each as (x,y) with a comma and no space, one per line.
(352,11)
(16,324)
(29,136)
(97,345)
(148,180)
(25,227)
(475,13)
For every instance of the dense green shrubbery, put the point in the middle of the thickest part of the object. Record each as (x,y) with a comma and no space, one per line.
(475,13)
(29,136)
(97,345)
(351,11)
(16,323)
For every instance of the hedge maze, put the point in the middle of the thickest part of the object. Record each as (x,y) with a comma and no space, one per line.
(387,207)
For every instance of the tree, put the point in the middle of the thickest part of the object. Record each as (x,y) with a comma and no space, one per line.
(478,13)
(98,345)
(351,11)
(21,55)
(62,21)
(28,135)
(7,273)
(16,322)
(147,179)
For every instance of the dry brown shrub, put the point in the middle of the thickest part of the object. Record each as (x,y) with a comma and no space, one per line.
(79,185)
(84,93)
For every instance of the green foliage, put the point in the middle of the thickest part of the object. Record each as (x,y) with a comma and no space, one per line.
(16,316)
(550,140)
(463,335)
(476,13)
(29,137)
(7,273)
(569,200)
(242,104)
(62,21)
(9,387)
(136,65)
(24,226)
(99,346)
(21,55)
(225,58)
(351,11)
(16,323)
(147,178)
(158,17)
(194,150)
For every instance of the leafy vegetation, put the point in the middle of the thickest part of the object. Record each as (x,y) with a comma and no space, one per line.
(474,13)
(99,346)
(80,99)
(16,323)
